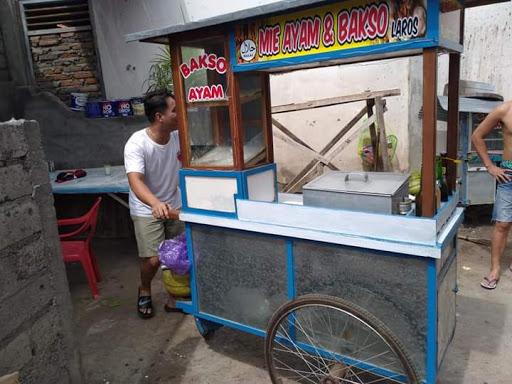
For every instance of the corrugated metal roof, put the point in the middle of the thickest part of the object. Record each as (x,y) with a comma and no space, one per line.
(153,35)
(467,104)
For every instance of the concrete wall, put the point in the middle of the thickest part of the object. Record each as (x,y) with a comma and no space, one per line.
(487,53)
(6,84)
(14,40)
(125,66)
(36,336)
(14,68)
(203,9)
(73,141)
(4,70)
(318,126)
(487,57)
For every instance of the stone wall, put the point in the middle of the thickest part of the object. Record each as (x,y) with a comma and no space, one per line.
(6,84)
(65,63)
(4,71)
(36,332)
(69,138)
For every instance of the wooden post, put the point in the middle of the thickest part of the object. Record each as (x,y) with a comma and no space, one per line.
(428,202)
(325,150)
(453,111)
(373,134)
(452,138)
(383,153)
(235,116)
(181,102)
(267,117)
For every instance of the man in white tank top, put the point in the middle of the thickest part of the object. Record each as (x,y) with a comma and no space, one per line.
(151,159)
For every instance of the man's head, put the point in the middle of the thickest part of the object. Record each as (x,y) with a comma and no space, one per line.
(160,109)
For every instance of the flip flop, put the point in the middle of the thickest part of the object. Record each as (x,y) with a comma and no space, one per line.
(143,304)
(489,283)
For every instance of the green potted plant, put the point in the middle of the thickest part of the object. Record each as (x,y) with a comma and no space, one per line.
(160,74)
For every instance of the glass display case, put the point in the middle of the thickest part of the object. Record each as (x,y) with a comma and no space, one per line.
(223,116)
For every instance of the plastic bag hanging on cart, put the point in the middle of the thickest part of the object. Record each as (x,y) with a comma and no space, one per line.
(173,254)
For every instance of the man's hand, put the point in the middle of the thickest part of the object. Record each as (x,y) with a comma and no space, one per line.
(498,173)
(162,210)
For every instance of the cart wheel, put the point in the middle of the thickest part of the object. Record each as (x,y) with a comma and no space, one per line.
(327,340)
(206,328)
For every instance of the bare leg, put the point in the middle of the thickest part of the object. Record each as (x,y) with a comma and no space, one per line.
(498,243)
(148,268)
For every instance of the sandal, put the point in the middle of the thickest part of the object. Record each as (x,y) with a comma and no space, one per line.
(488,283)
(144,306)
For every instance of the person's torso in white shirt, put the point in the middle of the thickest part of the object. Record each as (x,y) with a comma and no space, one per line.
(160,166)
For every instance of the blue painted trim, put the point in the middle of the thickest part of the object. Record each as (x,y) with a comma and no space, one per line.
(290,269)
(417,44)
(207,212)
(276,187)
(261,169)
(186,306)
(314,350)
(232,47)
(183,173)
(231,324)
(349,361)
(433,20)
(453,231)
(183,190)
(431,363)
(193,283)
(444,205)
(209,173)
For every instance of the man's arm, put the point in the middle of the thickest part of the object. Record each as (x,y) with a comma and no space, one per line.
(483,129)
(159,209)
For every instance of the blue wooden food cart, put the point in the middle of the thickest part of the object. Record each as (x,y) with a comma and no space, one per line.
(341,295)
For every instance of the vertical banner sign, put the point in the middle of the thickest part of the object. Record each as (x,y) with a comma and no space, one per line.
(330,28)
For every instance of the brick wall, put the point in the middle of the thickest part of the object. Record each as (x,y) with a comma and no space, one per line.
(65,63)
(36,332)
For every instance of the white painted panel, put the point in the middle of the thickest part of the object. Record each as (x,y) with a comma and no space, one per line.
(370,225)
(309,234)
(212,193)
(290,198)
(261,186)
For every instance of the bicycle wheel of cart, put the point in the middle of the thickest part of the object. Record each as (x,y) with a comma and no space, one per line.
(327,340)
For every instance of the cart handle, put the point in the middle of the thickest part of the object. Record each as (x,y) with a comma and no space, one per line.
(364,175)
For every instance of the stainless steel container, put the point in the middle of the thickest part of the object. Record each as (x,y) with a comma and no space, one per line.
(376,192)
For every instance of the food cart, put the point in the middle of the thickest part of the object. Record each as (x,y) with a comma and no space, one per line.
(342,293)
(477,187)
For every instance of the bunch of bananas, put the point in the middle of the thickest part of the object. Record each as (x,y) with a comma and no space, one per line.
(414,183)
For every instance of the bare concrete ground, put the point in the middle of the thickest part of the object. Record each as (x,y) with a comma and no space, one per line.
(118,347)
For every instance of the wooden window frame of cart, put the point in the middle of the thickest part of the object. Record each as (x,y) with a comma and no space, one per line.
(429,46)
(233,101)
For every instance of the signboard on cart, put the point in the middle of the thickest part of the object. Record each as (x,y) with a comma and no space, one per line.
(330,28)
